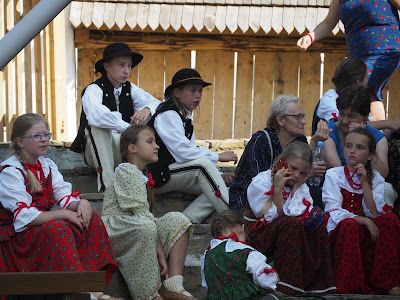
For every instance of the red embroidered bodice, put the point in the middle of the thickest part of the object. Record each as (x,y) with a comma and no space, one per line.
(352,201)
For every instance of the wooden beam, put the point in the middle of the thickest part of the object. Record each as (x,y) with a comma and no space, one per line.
(34,283)
(175,42)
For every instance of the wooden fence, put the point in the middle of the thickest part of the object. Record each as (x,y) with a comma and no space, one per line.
(245,77)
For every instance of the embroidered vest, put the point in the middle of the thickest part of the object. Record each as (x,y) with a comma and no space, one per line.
(160,170)
(352,201)
(125,108)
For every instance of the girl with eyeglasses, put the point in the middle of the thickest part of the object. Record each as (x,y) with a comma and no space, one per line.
(34,238)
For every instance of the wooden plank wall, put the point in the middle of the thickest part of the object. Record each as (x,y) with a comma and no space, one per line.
(22,88)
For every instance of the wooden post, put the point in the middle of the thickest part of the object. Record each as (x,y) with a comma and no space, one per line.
(27,5)
(151,72)
(2,74)
(48,41)
(85,75)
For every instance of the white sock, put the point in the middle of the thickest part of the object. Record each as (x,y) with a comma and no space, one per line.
(175,284)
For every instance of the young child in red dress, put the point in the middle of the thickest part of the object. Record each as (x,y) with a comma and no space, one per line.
(364,234)
(34,238)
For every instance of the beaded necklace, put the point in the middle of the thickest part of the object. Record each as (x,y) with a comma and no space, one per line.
(356,186)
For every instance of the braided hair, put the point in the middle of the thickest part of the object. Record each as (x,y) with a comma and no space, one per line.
(224,221)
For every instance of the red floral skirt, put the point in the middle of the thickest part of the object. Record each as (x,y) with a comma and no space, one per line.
(59,246)
(361,266)
(302,259)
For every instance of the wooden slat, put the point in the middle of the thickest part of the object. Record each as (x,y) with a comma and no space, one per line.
(232,13)
(35,283)
(254,18)
(263,88)
(174,61)
(109,14)
(98,54)
(330,62)
(203,120)
(220,18)
(49,69)
(223,95)
(120,15)
(266,18)
(311,18)
(143,12)
(151,73)
(288,19)
(277,18)
(286,69)
(87,13)
(187,17)
(154,16)
(3,74)
(98,14)
(20,66)
(176,16)
(299,19)
(37,97)
(394,94)
(131,14)
(310,66)
(209,17)
(165,16)
(198,17)
(243,18)
(243,97)
(85,75)
(75,13)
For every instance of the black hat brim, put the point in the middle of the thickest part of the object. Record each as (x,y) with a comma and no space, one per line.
(136,59)
(169,89)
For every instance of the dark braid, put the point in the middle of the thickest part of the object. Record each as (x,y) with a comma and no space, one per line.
(225,220)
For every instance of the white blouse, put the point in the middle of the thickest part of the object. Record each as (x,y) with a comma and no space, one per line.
(335,179)
(293,206)
(255,264)
(101,116)
(13,190)
(169,127)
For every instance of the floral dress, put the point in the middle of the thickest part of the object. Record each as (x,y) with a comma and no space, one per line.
(372,35)
(134,231)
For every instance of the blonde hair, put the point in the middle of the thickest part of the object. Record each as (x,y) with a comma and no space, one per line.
(131,136)
(20,127)
(295,150)
(226,220)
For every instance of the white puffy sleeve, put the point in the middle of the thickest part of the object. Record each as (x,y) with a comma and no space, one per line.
(142,99)
(378,187)
(257,198)
(261,272)
(333,199)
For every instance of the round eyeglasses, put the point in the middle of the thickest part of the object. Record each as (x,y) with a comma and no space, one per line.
(39,136)
(299,117)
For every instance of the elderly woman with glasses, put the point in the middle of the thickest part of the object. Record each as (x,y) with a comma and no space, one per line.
(285,124)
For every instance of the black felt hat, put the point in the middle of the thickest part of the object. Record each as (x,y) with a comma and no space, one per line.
(183,77)
(114,50)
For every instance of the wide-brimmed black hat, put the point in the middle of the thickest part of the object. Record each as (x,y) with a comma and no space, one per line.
(183,77)
(114,50)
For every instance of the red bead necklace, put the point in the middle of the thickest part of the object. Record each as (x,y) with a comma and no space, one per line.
(356,186)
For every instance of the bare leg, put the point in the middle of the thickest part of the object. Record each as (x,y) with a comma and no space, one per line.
(177,254)
(377,111)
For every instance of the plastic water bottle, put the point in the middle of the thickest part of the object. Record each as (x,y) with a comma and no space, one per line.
(318,156)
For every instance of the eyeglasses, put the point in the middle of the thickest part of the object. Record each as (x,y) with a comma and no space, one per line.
(299,117)
(39,137)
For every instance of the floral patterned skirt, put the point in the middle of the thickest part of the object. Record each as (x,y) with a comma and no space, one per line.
(59,246)
(302,259)
(361,266)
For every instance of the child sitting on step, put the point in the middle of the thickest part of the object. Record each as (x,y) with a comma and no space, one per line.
(230,268)
(34,238)
(145,247)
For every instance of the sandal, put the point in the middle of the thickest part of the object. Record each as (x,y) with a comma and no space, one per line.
(177,296)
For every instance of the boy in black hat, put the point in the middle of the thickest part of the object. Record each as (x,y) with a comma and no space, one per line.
(110,105)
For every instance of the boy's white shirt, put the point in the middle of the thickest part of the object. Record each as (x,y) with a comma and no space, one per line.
(101,116)
(255,264)
(170,128)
